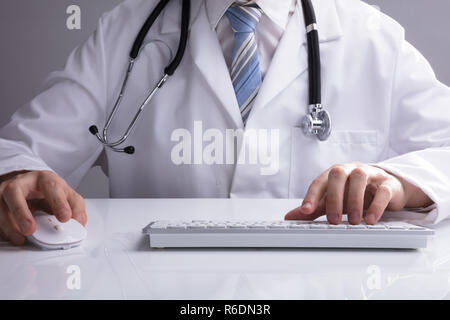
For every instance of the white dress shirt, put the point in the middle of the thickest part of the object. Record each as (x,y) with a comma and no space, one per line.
(268,33)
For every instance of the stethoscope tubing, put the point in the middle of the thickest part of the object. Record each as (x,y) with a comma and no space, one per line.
(314,68)
(168,71)
(317,121)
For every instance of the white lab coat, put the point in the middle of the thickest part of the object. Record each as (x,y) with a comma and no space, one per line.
(382,94)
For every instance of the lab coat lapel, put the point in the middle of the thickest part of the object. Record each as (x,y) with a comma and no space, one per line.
(291,57)
(208,57)
(206,52)
(289,61)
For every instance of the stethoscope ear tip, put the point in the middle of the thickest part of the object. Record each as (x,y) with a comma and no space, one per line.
(129,150)
(93,130)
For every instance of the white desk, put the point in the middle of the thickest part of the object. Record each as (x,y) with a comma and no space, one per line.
(116,263)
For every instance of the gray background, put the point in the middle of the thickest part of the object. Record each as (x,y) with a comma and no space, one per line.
(35,41)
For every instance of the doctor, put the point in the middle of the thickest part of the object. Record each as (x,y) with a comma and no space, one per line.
(389,146)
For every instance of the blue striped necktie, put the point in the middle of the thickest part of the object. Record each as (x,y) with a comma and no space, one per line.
(245,69)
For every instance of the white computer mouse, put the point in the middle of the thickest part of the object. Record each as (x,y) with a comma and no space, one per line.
(51,234)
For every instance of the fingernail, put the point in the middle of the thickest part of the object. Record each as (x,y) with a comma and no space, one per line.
(353,216)
(370,218)
(333,217)
(25,225)
(306,206)
(64,213)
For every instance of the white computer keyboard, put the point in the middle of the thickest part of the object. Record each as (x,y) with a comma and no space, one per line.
(284,234)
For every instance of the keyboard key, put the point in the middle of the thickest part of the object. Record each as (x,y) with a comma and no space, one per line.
(179,227)
(376,227)
(199,226)
(216,226)
(338,226)
(318,226)
(158,225)
(417,228)
(395,227)
(277,226)
(357,227)
(298,226)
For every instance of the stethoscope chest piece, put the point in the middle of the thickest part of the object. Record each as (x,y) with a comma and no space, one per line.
(317,123)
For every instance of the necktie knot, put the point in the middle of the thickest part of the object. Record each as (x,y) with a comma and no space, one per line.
(244,18)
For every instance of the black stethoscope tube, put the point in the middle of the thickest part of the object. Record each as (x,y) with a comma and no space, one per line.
(185,17)
(146,28)
(315,81)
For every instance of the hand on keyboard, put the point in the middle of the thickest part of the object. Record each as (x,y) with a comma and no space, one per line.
(354,187)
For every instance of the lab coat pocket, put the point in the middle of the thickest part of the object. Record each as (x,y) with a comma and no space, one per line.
(311,157)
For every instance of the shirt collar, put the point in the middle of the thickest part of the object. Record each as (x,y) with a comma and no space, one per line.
(278,11)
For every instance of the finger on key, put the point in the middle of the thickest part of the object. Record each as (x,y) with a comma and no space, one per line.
(297,213)
(357,182)
(315,192)
(379,204)
(337,180)
(18,210)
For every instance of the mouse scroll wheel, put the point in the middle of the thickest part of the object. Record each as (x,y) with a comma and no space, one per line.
(58,227)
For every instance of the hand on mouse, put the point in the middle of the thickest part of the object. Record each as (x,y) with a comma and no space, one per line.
(22,193)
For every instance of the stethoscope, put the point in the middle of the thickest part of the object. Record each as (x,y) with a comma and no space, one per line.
(316,123)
